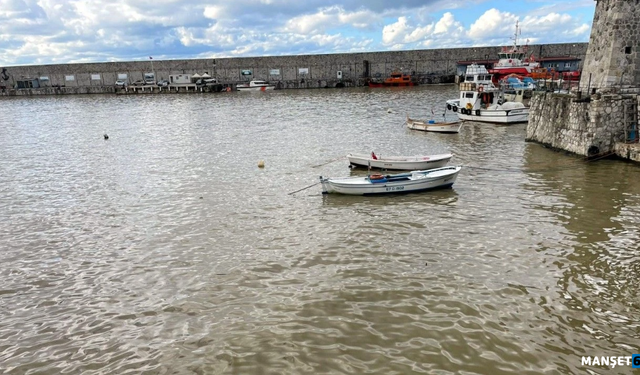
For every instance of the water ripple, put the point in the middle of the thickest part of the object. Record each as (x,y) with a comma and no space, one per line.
(166,250)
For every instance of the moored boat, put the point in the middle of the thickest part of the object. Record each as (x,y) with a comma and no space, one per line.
(396,79)
(256,85)
(480,100)
(376,184)
(514,60)
(405,163)
(434,126)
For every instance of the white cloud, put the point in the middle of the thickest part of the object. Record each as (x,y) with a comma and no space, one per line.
(329,18)
(446,29)
(48,31)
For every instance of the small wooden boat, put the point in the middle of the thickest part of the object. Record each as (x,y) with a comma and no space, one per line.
(405,163)
(408,182)
(433,126)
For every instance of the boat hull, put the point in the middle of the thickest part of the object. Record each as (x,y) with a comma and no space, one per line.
(410,182)
(403,163)
(497,116)
(255,88)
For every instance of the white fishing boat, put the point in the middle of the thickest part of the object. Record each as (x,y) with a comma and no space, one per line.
(256,85)
(405,163)
(408,182)
(434,126)
(480,100)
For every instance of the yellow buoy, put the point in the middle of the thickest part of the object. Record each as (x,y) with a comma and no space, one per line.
(261,164)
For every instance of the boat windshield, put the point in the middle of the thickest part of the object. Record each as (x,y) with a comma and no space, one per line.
(513,55)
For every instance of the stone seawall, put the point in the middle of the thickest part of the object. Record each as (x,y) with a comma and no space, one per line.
(591,126)
(302,71)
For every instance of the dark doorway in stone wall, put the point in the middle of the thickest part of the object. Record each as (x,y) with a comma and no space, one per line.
(627,50)
(593,151)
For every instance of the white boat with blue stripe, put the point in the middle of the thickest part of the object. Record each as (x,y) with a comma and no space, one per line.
(409,182)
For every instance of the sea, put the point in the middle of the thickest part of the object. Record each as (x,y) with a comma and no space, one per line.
(139,235)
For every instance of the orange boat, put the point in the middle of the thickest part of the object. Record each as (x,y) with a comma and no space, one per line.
(396,79)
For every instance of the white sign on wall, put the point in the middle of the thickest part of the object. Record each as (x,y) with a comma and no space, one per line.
(95,77)
(122,76)
(274,72)
(44,78)
(69,78)
(303,70)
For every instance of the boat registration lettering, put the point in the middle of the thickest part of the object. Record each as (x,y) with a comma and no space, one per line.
(394,188)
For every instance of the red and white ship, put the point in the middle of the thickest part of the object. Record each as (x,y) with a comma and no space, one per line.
(514,60)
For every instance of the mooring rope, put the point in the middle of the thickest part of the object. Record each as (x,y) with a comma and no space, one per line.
(304,188)
(329,162)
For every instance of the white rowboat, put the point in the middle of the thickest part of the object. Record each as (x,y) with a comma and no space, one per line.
(432,126)
(409,182)
(405,163)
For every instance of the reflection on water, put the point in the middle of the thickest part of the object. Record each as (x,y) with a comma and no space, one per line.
(165,249)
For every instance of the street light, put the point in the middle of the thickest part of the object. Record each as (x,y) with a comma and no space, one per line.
(152,71)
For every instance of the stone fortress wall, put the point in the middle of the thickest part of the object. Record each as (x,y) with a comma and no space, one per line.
(602,117)
(302,71)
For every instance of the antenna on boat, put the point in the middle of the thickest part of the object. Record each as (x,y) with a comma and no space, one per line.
(515,35)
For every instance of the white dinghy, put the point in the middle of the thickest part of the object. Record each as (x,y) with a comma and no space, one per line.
(404,163)
(409,182)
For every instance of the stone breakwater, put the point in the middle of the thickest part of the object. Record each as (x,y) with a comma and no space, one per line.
(593,126)
(301,72)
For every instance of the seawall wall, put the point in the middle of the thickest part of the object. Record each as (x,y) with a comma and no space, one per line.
(593,126)
(301,71)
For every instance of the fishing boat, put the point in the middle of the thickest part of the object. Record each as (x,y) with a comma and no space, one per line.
(256,85)
(482,101)
(434,126)
(405,163)
(376,184)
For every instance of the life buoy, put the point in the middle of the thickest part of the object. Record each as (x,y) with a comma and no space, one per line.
(455,108)
(469,106)
(449,106)
(376,177)
(228,89)
(480,88)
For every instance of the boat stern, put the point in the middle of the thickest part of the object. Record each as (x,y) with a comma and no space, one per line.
(326,187)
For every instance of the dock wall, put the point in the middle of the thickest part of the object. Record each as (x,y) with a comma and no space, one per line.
(593,126)
(301,71)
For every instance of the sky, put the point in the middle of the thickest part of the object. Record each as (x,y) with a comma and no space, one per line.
(36,32)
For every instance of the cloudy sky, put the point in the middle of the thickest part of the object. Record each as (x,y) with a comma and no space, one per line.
(62,31)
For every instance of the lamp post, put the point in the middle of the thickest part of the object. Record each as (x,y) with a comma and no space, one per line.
(152,71)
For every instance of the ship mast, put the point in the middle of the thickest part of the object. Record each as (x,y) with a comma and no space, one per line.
(515,36)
